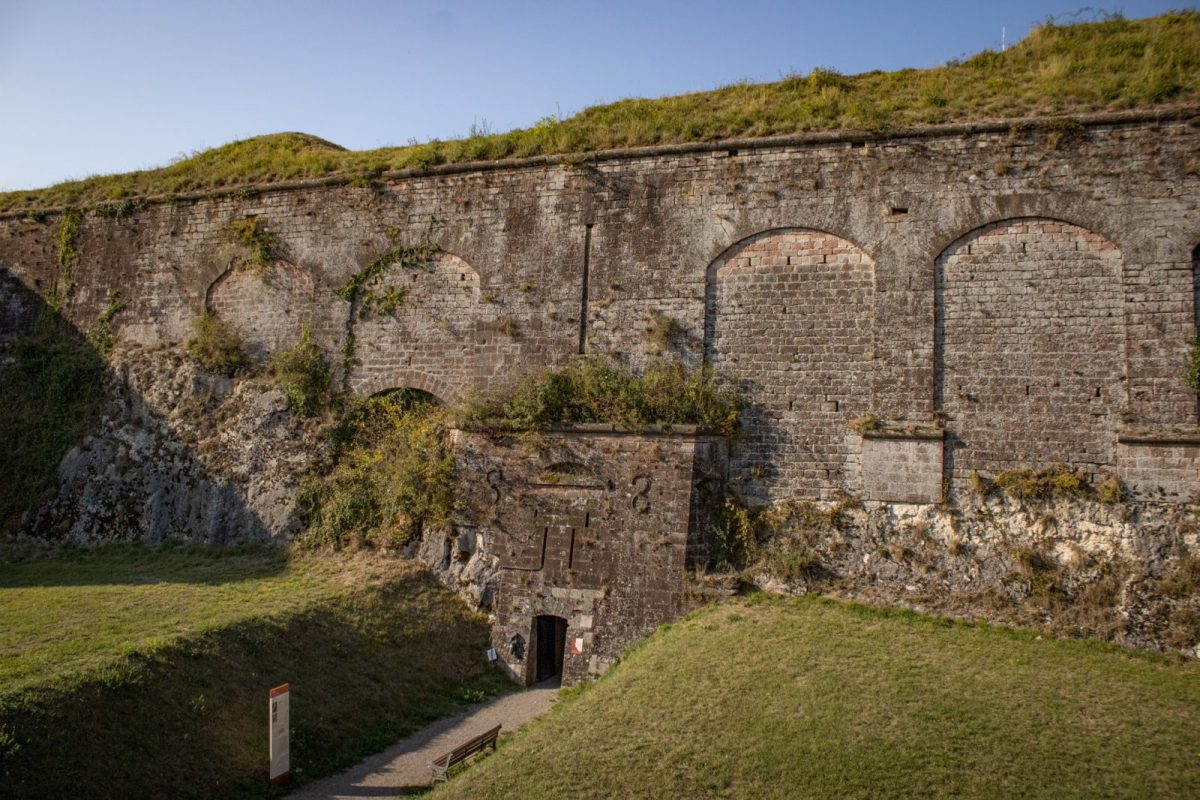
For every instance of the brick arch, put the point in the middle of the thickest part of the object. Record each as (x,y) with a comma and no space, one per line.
(269,307)
(953,224)
(430,334)
(1029,346)
(378,382)
(789,314)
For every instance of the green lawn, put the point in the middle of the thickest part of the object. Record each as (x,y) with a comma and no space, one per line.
(1058,69)
(761,698)
(147,670)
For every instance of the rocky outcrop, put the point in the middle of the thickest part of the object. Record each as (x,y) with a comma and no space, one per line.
(180,454)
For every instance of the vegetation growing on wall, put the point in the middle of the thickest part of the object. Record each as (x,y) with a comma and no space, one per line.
(217,345)
(1193,363)
(598,389)
(261,245)
(302,374)
(390,475)
(1049,483)
(364,289)
(781,536)
(1111,64)
(67,254)
(52,390)
(100,334)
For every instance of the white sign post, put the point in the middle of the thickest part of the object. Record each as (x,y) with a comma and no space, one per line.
(280,759)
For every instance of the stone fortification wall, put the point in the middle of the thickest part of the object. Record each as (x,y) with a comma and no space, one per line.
(908,315)
(1028,290)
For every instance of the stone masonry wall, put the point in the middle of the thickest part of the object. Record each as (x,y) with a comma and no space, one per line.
(791,318)
(588,525)
(933,246)
(1030,347)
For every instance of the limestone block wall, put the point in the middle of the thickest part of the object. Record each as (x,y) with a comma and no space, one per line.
(270,306)
(588,525)
(1030,347)
(791,316)
(834,275)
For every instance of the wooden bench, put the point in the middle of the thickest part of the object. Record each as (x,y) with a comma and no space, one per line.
(442,764)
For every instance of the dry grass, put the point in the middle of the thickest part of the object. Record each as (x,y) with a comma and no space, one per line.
(1110,65)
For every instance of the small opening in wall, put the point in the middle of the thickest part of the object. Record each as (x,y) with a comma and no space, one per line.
(1097,391)
(587,518)
(1027,390)
(733,152)
(790,404)
(854,145)
(462,276)
(550,643)
(898,210)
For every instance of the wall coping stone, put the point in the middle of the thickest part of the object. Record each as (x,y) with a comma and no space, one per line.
(909,432)
(663,429)
(1181,438)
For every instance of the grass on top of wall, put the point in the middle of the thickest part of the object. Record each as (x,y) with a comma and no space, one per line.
(1058,69)
(810,698)
(597,389)
(143,672)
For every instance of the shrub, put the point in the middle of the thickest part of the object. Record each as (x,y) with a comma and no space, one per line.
(1057,480)
(391,475)
(597,389)
(217,345)
(302,374)
(261,244)
(1193,364)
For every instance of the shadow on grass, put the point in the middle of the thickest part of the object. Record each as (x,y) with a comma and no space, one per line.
(136,564)
(190,720)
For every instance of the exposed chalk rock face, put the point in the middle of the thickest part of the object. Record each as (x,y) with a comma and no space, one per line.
(1077,566)
(180,454)
(464,561)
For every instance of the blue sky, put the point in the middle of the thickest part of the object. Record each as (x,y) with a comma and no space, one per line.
(98,87)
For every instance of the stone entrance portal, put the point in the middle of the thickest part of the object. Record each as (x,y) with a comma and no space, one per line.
(590,532)
(549,642)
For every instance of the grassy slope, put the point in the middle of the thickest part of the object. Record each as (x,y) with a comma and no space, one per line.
(810,698)
(147,670)
(1110,65)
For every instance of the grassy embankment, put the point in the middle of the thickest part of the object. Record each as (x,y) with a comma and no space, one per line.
(135,672)
(765,697)
(1058,69)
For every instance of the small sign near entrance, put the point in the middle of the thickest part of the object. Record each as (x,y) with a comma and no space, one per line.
(280,759)
(577,649)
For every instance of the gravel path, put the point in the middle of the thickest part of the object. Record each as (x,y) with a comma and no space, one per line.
(406,763)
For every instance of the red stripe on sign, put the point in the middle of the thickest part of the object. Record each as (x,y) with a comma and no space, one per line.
(278,690)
